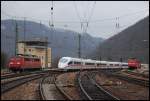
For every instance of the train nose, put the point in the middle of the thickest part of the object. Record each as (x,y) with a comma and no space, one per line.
(59,65)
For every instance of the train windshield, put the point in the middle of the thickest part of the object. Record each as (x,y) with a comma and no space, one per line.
(63,60)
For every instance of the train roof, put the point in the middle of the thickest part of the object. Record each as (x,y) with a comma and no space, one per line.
(25,57)
(101,61)
(115,62)
(124,63)
(71,59)
(78,59)
(89,60)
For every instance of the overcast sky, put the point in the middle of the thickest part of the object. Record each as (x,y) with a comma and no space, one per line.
(69,14)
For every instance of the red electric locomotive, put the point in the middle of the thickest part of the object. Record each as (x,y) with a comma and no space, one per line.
(134,63)
(20,63)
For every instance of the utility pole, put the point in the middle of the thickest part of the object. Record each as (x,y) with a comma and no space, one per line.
(100,58)
(41,26)
(121,60)
(16,39)
(117,25)
(46,52)
(79,48)
(52,26)
(24,35)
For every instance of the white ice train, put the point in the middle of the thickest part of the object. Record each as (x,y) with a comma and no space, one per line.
(71,63)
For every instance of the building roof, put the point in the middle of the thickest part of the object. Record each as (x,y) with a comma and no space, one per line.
(41,47)
(37,40)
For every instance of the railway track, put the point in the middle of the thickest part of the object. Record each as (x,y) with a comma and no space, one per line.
(13,75)
(91,90)
(6,86)
(12,83)
(7,75)
(137,74)
(141,82)
(43,97)
(50,79)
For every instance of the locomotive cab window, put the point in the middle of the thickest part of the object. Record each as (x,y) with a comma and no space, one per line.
(63,60)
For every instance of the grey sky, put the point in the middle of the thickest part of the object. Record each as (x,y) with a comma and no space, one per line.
(65,12)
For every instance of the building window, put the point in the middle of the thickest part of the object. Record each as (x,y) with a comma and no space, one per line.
(30,50)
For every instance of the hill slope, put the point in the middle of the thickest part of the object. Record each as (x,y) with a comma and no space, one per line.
(132,42)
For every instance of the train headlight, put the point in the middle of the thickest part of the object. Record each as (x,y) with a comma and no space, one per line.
(11,63)
(18,63)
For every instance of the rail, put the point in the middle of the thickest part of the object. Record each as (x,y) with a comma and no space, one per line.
(141,82)
(137,74)
(56,85)
(14,83)
(13,75)
(62,92)
(41,89)
(92,90)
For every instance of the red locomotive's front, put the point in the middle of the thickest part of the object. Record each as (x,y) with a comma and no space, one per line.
(134,64)
(15,63)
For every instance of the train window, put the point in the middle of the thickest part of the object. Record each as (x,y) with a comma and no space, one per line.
(111,64)
(89,63)
(124,64)
(98,64)
(103,64)
(27,59)
(37,60)
(77,62)
(116,64)
(70,63)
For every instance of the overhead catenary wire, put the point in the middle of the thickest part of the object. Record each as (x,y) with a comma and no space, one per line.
(76,9)
(87,24)
(90,16)
(92,21)
(76,24)
(121,16)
